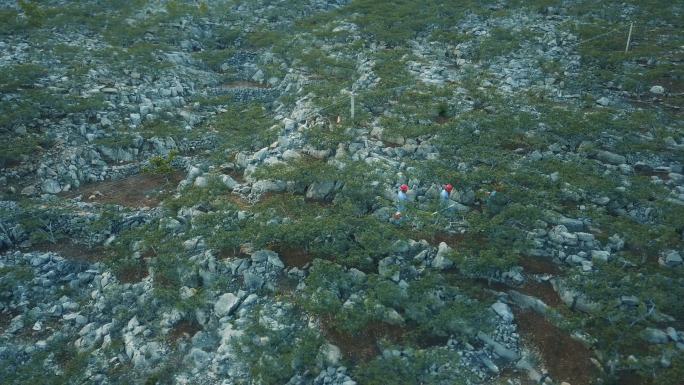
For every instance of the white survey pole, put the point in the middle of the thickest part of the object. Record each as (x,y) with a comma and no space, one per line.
(629,36)
(352,106)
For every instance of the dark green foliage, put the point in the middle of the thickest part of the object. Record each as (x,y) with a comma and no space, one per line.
(21,76)
(160,165)
(243,126)
(19,369)
(33,11)
(414,370)
(14,146)
(289,351)
(499,42)
(396,22)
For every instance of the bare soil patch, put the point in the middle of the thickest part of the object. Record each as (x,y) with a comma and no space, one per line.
(543,291)
(134,191)
(564,358)
(184,329)
(649,173)
(73,251)
(363,346)
(513,374)
(441,119)
(294,256)
(538,266)
(390,144)
(132,272)
(231,253)
(633,378)
(237,176)
(244,84)
(6,319)
(453,240)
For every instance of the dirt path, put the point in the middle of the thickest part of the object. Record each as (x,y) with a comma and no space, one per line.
(142,190)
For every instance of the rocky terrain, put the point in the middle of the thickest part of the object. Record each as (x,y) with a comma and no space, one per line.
(204,192)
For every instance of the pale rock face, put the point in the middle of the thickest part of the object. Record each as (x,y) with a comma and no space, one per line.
(657,90)
(503,310)
(670,258)
(604,101)
(442,260)
(226,304)
(51,186)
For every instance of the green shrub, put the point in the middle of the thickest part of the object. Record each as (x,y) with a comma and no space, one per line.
(13,147)
(290,350)
(242,126)
(21,76)
(160,165)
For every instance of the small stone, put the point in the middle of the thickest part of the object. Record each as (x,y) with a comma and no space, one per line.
(629,300)
(657,90)
(28,190)
(201,182)
(600,255)
(331,354)
(672,333)
(604,101)
(135,119)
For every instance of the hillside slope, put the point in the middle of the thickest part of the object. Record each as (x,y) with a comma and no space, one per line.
(205,192)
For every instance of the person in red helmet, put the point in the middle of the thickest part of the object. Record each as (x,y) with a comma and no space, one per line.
(446,192)
(444,196)
(402,198)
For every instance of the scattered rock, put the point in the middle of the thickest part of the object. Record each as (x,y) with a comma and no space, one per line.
(655,336)
(503,311)
(604,101)
(670,258)
(226,304)
(657,90)
(51,186)
(442,260)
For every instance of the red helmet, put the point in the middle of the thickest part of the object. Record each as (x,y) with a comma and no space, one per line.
(448,187)
(403,188)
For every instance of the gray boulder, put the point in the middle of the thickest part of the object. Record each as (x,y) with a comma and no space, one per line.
(604,101)
(503,310)
(51,186)
(268,256)
(600,255)
(655,336)
(388,268)
(265,186)
(498,348)
(528,302)
(226,304)
(442,260)
(321,190)
(201,182)
(657,90)
(609,157)
(252,281)
(670,258)
(228,182)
